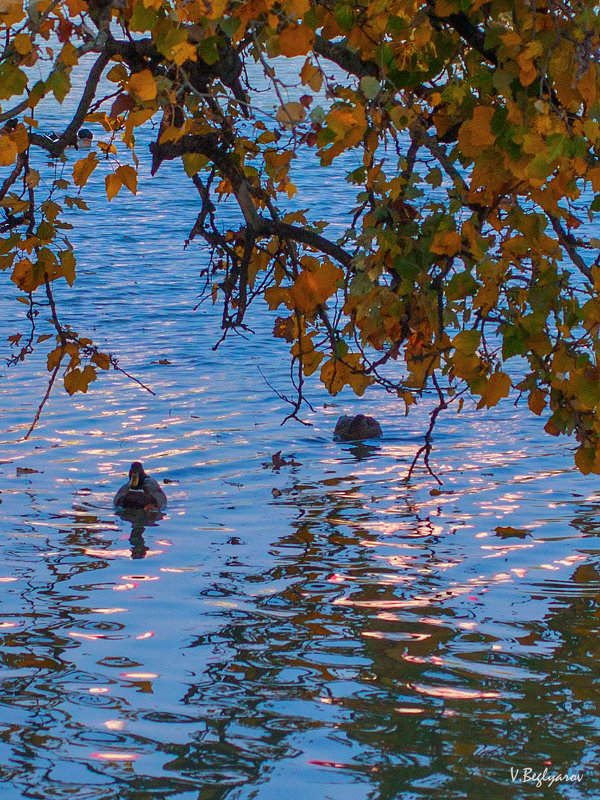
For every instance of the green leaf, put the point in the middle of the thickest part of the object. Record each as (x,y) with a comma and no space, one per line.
(208,50)
(143,19)
(513,343)
(59,84)
(344,16)
(167,35)
(370,87)
(467,341)
(12,81)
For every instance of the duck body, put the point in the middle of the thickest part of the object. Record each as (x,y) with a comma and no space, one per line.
(141,492)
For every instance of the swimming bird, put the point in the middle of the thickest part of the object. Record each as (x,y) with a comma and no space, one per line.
(84,138)
(141,491)
(350,429)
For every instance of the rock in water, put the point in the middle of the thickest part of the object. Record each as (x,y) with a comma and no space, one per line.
(349,429)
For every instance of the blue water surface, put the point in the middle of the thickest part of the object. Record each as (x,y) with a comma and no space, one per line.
(324,629)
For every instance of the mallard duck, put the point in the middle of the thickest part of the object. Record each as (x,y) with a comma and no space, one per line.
(350,429)
(84,138)
(141,491)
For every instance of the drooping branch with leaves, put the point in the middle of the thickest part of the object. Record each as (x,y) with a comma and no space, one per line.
(476,130)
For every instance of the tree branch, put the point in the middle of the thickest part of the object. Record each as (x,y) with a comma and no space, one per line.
(69,135)
(345,58)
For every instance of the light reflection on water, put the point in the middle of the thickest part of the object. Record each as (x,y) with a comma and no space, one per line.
(346,636)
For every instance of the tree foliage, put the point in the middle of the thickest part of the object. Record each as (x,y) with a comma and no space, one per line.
(475,129)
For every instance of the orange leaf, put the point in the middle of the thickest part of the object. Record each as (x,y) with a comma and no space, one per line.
(113,185)
(475,134)
(182,52)
(537,401)
(313,287)
(312,76)
(83,168)
(291,114)
(8,151)
(128,177)
(67,262)
(497,387)
(296,40)
(22,44)
(446,243)
(24,277)
(144,85)
(78,380)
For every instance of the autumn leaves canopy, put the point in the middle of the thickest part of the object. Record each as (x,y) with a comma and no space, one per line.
(470,136)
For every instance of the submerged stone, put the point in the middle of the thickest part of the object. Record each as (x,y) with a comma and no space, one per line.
(349,429)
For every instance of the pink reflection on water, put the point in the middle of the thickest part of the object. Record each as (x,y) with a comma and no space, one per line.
(114,724)
(347,601)
(147,676)
(452,693)
(116,756)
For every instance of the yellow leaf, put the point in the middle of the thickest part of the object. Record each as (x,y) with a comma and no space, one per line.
(117,74)
(212,9)
(113,185)
(83,168)
(536,401)
(134,119)
(68,55)
(144,85)
(128,177)
(25,277)
(313,287)
(475,134)
(296,40)
(311,76)
(8,151)
(276,295)
(497,387)
(337,374)
(101,360)
(22,44)
(54,358)
(32,178)
(78,380)
(11,12)
(446,243)
(291,114)
(311,361)
(182,52)
(467,341)
(67,261)
(527,68)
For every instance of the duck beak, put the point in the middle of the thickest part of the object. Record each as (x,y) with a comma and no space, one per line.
(135,479)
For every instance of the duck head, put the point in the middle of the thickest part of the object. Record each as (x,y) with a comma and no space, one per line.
(137,476)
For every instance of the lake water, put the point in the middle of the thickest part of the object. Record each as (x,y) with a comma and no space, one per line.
(324,630)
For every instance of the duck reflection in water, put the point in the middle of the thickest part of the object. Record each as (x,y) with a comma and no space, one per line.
(140,520)
(362,451)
